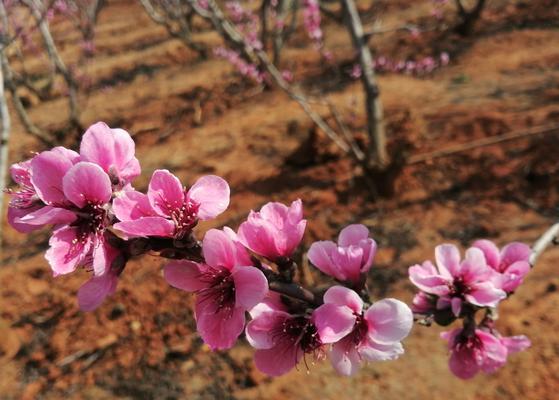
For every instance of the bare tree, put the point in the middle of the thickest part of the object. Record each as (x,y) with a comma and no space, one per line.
(176,16)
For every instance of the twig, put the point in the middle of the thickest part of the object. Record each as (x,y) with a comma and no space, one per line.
(4,142)
(482,143)
(377,155)
(549,237)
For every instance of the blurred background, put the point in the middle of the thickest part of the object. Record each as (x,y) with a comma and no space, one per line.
(471,120)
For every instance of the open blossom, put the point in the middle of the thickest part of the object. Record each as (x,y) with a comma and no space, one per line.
(457,282)
(281,339)
(87,191)
(113,150)
(358,335)
(40,200)
(226,286)
(512,263)
(480,351)
(275,231)
(348,260)
(168,209)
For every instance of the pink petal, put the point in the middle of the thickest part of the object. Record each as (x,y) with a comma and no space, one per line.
(448,260)
(251,286)
(333,322)
(514,344)
(147,226)
(493,350)
(278,214)
(514,252)
(165,192)
(103,256)
(87,183)
(47,171)
(111,149)
(319,255)
(184,275)
(219,250)
(369,247)
(220,330)
(272,302)
(21,173)
(474,266)
(514,275)
(48,216)
(348,261)
(64,255)
(92,293)
(212,194)
(260,331)
(372,351)
(293,235)
(131,205)
(490,251)
(277,361)
(342,296)
(260,237)
(426,278)
(353,235)
(456,305)
(389,320)
(345,361)
(15,214)
(463,364)
(485,294)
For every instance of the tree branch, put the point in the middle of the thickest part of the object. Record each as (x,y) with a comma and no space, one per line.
(550,236)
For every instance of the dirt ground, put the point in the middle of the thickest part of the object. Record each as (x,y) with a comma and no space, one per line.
(196,117)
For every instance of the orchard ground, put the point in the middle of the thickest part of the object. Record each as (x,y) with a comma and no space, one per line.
(196,117)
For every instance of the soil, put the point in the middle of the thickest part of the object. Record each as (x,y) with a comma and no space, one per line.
(197,116)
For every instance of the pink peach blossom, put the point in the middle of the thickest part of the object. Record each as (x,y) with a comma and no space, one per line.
(275,231)
(512,263)
(113,150)
(40,200)
(281,339)
(168,209)
(350,259)
(358,335)
(472,352)
(457,282)
(226,286)
(87,189)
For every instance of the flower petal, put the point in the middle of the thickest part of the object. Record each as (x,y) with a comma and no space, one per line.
(87,183)
(333,322)
(47,171)
(278,360)
(447,257)
(342,296)
(92,293)
(66,252)
(212,194)
(485,294)
(251,286)
(131,205)
(147,226)
(165,192)
(221,329)
(320,255)
(353,235)
(48,216)
(184,275)
(345,361)
(490,251)
(389,320)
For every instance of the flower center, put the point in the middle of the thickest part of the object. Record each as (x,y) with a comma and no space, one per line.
(24,198)
(302,331)
(185,218)
(459,287)
(91,223)
(220,293)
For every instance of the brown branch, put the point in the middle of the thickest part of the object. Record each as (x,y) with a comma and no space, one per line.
(377,155)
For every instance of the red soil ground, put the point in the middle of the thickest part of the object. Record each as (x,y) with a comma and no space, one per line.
(195,117)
